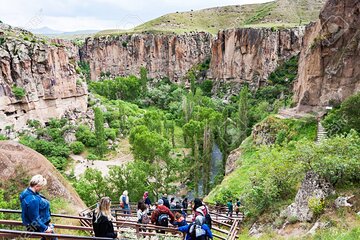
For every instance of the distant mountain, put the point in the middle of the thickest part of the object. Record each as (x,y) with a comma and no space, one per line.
(46,31)
(278,13)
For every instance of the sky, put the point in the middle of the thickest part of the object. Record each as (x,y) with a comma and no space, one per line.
(73,15)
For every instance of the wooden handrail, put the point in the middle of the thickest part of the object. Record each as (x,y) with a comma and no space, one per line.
(26,234)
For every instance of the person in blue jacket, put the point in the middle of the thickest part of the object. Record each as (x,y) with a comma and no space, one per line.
(35,207)
(197,230)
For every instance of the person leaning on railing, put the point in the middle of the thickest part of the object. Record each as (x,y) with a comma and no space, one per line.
(35,207)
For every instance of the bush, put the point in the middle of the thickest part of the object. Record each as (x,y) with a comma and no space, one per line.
(33,123)
(18,92)
(77,147)
(2,137)
(316,205)
(92,156)
(86,136)
(345,118)
(59,162)
(110,133)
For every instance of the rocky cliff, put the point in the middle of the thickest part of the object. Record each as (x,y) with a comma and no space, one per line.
(250,55)
(38,79)
(162,55)
(328,67)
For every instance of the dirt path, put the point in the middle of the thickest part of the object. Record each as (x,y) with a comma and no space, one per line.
(123,156)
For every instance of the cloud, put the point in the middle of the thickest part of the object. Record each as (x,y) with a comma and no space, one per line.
(70,15)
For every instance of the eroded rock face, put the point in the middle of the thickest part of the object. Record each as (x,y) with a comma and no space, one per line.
(250,55)
(312,186)
(328,66)
(45,70)
(16,159)
(169,56)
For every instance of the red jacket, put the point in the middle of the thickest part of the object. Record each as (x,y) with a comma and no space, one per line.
(161,209)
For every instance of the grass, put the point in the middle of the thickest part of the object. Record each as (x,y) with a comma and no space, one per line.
(280,13)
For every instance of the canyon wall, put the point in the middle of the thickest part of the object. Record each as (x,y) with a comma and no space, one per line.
(169,56)
(239,55)
(250,55)
(45,71)
(328,66)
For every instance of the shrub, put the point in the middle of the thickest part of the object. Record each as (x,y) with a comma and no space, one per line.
(345,118)
(59,162)
(86,136)
(92,156)
(18,92)
(2,137)
(33,123)
(110,133)
(316,205)
(77,147)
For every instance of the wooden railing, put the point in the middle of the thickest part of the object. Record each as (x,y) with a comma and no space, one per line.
(224,227)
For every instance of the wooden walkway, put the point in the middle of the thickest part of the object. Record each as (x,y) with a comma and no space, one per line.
(223,227)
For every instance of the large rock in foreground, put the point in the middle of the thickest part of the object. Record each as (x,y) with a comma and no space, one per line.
(312,186)
(17,159)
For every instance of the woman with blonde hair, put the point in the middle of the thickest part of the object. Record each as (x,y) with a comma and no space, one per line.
(35,207)
(102,219)
(125,202)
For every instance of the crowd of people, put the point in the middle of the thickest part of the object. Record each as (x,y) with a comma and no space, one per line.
(37,218)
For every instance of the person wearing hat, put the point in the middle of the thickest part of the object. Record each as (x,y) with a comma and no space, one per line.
(197,230)
(161,215)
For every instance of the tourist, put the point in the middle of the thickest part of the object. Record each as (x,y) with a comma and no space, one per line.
(125,202)
(172,204)
(102,219)
(197,230)
(230,208)
(237,207)
(35,207)
(142,214)
(185,204)
(180,220)
(166,201)
(161,215)
(199,208)
(147,200)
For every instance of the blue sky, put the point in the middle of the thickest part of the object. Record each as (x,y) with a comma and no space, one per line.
(71,15)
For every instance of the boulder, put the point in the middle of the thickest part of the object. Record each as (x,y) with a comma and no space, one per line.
(312,186)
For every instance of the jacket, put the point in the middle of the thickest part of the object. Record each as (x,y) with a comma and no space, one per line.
(35,210)
(161,209)
(103,227)
(186,228)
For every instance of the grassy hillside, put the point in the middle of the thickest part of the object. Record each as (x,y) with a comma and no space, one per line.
(279,13)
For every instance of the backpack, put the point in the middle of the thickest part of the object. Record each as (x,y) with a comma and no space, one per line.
(207,217)
(194,228)
(122,202)
(163,220)
(145,218)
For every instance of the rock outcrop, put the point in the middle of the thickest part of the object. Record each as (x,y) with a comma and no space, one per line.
(45,73)
(250,55)
(16,159)
(312,186)
(328,66)
(163,56)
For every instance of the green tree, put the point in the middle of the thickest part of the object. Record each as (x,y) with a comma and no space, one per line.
(100,132)
(243,119)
